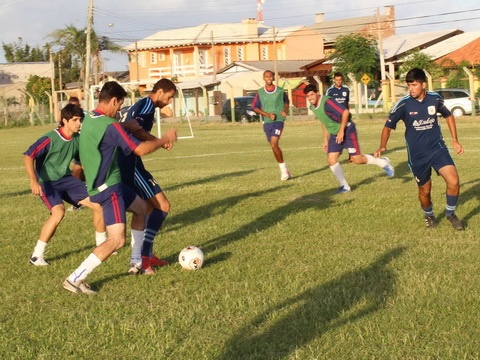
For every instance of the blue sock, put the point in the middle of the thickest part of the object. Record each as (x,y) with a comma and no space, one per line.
(428,211)
(154,223)
(451,204)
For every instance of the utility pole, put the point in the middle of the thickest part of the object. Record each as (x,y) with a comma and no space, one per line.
(380,46)
(214,61)
(86,81)
(275,55)
(136,62)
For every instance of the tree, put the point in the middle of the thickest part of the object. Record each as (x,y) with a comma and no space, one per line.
(7,102)
(20,52)
(356,54)
(37,86)
(73,44)
(417,59)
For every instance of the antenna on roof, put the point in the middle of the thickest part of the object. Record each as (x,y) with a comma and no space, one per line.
(260,11)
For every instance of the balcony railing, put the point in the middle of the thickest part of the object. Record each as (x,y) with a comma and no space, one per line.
(180,71)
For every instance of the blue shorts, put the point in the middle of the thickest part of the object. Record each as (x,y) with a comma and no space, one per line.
(137,178)
(68,188)
(273,129)
(114,201)
(350,141)
(422,168)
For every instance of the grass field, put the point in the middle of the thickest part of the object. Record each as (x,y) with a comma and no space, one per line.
(293,271)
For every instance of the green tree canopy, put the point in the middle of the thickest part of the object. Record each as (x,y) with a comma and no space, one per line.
(356,54)
(37,86)
(20,52)
(418,59)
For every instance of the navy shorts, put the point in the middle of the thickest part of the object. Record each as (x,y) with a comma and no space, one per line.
(422,168)
(114,201)
(350,141)
(142,182)
(68,188)
(273,129)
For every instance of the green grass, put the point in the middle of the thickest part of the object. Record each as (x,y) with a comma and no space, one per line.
(292,270)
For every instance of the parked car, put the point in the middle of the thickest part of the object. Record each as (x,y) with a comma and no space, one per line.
(243,110)
(458,101)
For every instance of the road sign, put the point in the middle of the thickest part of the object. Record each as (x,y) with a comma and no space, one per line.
(365,79)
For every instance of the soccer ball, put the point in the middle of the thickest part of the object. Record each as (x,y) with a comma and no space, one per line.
(191,258)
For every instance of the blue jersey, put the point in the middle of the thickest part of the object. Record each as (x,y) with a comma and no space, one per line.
(422,130)
(144,112)
(341,95)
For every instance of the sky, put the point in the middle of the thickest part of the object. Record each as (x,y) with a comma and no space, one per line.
(127,21)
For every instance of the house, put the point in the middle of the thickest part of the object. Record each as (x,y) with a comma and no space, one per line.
(190,52)
(14,76)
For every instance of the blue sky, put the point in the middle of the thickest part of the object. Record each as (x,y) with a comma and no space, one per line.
(126,21)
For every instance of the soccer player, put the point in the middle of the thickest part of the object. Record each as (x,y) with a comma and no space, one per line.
(425,144)
(340,93)
(47,162)
(102,138)
(339,133)
(139,179)
(271,102)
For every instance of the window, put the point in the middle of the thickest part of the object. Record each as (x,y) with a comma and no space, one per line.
(264,51)
(227,56)
(141,59)
(240,53)
(153,58)
(202,56)
(161,56)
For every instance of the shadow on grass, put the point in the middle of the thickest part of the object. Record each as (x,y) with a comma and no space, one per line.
(69,253)
(472,193)
(209,179)
(16,193)
(314,312)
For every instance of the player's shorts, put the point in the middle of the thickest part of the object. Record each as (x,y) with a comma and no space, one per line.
(422,168)
(273,129)
(68,189)
(350,141)
(115,201)
(145,184)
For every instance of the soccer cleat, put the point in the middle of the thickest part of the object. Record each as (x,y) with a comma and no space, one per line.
(285,175)
(389,169)
(343,189)
(430,221)
(79,287)
(38,261)
(455,221)
(135,269)
(155,261)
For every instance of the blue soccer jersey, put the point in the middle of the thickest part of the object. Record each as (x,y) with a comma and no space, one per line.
(144,112)
(341,95)
(422,130)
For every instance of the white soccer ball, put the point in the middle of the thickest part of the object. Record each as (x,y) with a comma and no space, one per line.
(191,258)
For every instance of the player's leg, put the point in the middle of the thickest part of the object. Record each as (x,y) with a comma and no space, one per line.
(273,132)
(48,230)
(113,204)
(333,153)
(352,144)
(138,208)
(422,174)
(97,218)
(450,175)
(158,207)
(52,199)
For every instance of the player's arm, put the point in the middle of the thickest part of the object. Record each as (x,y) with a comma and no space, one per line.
(149,146)
(453,131)
(326,135)
(343,125)
(30,167)
(286,105)
(383,141)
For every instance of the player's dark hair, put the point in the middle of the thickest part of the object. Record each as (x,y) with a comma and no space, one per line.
(74,100)
(110,90)
(310,87)
(69,111)
(165,84)
(268,71)
(338,74)
(416,74)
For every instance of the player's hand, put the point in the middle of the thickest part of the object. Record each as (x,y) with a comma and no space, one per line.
(170,136)
(167,146)
(379,151)
(36,188)
(457,147)
(339,138)
(283,113)
(272,116)
(325,146)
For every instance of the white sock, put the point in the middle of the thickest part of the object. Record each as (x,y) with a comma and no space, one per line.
(39,249)
(100,237)
(137,242)
(283,167)
(338,172)
(85,268)
(371,160)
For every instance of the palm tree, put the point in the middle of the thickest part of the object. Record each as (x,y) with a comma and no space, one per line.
(7,102)
(72,42)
